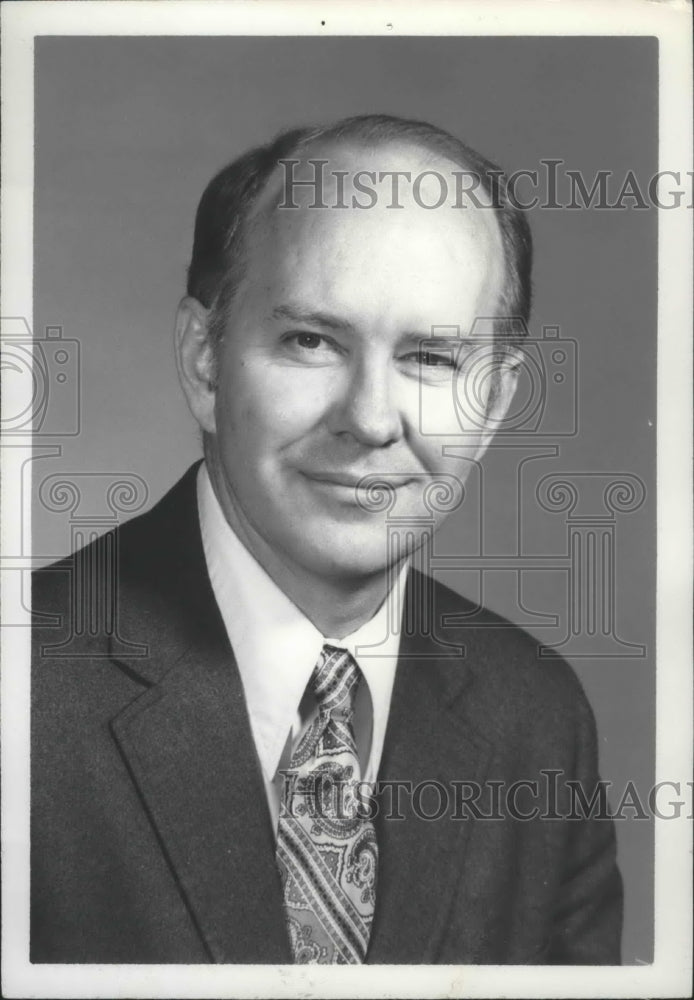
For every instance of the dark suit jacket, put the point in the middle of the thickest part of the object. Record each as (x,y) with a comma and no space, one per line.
(151,837)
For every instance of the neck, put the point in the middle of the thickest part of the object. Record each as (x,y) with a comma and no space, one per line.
(337,606)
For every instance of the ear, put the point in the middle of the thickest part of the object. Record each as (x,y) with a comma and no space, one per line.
(195,361)
(504,389)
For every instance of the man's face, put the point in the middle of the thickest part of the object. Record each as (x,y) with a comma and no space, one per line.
(321,375)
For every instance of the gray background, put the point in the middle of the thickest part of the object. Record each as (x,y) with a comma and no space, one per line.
(128,132)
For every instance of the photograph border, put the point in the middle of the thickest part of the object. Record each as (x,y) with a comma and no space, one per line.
(670,972)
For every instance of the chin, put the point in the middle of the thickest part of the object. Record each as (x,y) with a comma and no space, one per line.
(346,553)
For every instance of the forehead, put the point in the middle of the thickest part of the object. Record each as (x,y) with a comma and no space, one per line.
(394,253)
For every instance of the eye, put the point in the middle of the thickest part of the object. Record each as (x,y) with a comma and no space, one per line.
(433,360)
(309,341)
(306,347)
(305,340)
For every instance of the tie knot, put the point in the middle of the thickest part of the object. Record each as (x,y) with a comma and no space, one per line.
(334,680)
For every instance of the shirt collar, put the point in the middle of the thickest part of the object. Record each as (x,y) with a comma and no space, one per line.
(275,645)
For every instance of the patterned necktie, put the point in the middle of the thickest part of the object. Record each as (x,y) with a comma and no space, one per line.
(326,850)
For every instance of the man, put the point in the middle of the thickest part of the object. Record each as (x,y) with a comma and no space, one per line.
(184,805)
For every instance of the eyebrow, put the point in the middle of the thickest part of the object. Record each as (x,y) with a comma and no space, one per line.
(309,316)
(437,339)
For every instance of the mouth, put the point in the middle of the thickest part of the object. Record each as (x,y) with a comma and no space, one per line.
(364,480)
(353,487)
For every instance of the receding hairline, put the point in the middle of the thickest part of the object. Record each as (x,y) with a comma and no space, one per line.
(239,193)
(267,201)
(319,147)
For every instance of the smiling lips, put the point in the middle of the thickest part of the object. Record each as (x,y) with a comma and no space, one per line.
(353,480)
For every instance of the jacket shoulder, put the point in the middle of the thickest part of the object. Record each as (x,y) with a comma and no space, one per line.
(136,562)
(518,678)
(152,544)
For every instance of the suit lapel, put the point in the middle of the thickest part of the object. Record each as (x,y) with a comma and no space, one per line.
(189,748)
(187,740)
(420,861)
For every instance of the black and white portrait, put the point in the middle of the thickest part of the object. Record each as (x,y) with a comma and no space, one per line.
(339,481)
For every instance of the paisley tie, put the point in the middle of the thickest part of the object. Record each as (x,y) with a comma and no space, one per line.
(326,845)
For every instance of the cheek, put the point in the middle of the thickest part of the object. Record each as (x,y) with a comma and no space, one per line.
(438,424)
(262,407)
(456,408)
(439,413)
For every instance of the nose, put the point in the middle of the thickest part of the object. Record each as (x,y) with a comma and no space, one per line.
(367,409)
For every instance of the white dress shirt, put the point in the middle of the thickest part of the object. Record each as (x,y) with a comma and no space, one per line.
(276,648)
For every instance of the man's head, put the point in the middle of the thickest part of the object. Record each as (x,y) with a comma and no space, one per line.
(300,341)
(230,200)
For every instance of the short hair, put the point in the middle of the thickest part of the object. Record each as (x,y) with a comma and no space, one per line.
(227,204)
